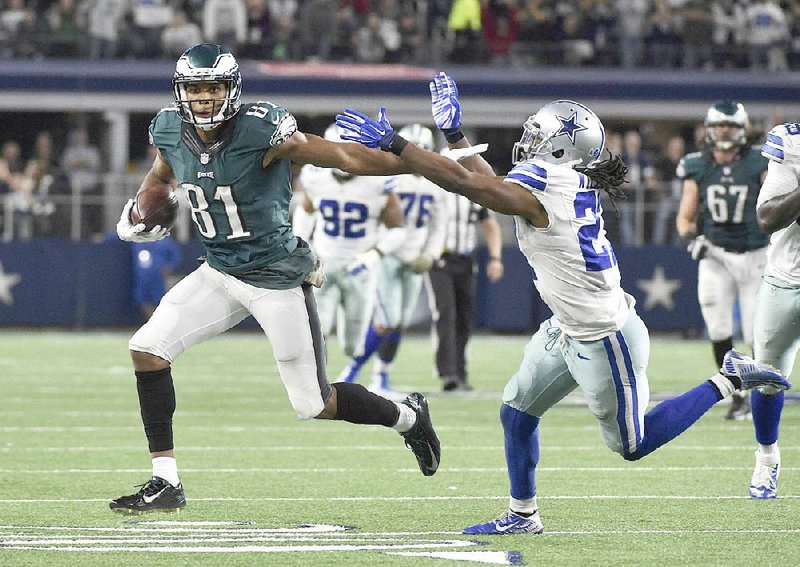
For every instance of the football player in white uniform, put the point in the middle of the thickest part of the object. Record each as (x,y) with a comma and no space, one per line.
(595,339)
(776,334)
(400,280)
(718,212)
(350,222)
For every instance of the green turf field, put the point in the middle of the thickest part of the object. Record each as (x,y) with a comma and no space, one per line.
(71,439)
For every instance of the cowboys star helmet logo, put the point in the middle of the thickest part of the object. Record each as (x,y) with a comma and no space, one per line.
(569,126)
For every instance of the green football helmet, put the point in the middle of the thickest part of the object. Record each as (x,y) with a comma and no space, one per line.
(207,63)
(727,113)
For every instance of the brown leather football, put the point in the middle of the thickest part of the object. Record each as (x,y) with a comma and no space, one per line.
(155,205)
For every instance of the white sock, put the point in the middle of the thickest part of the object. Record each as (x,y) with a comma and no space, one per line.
(166,468)
(527,506)
(407,419)
(768,454)
(723,384)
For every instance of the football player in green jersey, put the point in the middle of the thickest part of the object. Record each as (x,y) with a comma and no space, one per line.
(234,161)
(718,212)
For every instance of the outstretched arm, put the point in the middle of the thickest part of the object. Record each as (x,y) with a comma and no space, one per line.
(352,158)
(488,190)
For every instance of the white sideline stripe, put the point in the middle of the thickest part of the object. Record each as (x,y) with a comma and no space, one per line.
(336,448)
(405,498)
(328,470)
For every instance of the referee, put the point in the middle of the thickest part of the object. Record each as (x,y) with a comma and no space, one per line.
(451,285)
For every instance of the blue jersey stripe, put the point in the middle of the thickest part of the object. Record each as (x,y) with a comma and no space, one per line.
(777,140)
(528,179)
(770,151)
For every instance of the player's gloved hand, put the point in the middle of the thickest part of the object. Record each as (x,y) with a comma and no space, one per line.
(698,247)
(445,107)
(359,127)
(364,262)
(316,276)
(421,263)
(130,232)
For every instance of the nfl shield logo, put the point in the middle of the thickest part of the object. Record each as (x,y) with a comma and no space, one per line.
(204,158)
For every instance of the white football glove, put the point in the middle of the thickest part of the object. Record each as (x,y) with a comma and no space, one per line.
(364,262)
(316,276)
(421,263)
(130,232)
(698,247)
(445,107)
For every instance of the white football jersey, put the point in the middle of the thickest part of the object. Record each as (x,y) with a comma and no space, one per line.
(783,150)
(425,214)
(575,268)
(347,213)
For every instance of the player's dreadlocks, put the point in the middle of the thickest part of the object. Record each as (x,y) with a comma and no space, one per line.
(608,175)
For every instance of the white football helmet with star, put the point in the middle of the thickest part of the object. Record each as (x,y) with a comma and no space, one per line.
(562,131)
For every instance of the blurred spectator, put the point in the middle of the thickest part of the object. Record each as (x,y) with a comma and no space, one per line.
(225,23)
(663,37)
(577,42)
(18,31)
(147,19)
(103,21)
(81,161)
(730,21)
(793,55)
(500,28)
(668,195)
(464,22)
(347,25)
(370,43)
(154,263)
(412,38)
(698,28)
(64,34)
(317,29)
(767,36)
(632,18)
(641,176)
(257,43)
(179,35)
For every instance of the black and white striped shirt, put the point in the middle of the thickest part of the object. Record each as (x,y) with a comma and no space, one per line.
(462,217)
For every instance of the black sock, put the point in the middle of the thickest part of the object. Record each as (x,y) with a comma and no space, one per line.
(356,404)
(157,404)
(720,348)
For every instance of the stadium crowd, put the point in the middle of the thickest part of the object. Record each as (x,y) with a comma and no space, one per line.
(627,33)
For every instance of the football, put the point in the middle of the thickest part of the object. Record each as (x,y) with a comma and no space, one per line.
(155,205)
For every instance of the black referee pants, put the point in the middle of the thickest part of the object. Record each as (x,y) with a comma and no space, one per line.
(453,285)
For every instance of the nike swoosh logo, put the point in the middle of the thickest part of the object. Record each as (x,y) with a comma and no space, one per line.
(583,357)
(502,529)
(149,499)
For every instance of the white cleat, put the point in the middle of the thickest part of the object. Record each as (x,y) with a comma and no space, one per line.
(764,484)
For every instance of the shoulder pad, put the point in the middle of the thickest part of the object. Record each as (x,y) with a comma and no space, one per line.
(164,126)
(783,143)
(529,175)
(275,120)
(690,165)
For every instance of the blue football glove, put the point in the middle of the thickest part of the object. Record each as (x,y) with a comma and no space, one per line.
(359,127)
(444,103)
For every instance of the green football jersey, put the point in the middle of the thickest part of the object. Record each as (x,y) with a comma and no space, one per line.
(728,195)
(241,209)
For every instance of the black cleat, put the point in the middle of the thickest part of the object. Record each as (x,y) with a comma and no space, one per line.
(740,407)
(156,495)
(421,438)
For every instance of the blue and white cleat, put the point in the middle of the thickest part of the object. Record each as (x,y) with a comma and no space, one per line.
(508,523)
(751,373)
(349,373)
(764,484)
